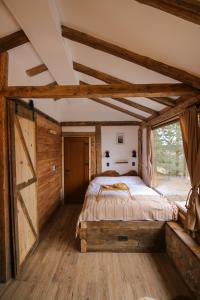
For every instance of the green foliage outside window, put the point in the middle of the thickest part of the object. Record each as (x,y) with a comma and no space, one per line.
(168,151)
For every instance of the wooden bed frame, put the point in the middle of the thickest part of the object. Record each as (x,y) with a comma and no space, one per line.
(122,236)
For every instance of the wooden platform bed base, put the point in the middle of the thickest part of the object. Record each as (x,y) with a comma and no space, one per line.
(119,236)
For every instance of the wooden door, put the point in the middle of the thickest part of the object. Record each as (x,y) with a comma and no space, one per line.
(76,168)
(23,151)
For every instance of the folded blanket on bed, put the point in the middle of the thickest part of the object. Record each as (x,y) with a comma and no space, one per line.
(115,186)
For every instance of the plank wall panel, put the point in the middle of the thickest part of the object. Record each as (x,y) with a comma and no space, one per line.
(5,270)
(49,153)
(184,252)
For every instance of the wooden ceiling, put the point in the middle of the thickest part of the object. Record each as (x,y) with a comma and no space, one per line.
(113,87)
(19,38)
(147,62)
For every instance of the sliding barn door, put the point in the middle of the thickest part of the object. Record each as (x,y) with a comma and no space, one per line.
(23,150)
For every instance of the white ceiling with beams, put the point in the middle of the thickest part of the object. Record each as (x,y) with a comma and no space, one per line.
(126,23)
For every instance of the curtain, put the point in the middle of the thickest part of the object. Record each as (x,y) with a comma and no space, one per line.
(149,178)
(191,143)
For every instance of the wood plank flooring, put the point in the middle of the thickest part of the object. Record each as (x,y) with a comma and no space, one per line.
(57,270)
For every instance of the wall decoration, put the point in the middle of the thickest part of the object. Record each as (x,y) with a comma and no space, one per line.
(107,153)
(119,152)
(134,153)
(120,138)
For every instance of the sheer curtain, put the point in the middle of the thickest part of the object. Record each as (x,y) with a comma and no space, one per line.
(191,143)
(149,178)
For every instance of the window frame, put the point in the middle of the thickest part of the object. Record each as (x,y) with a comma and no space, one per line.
(182,213)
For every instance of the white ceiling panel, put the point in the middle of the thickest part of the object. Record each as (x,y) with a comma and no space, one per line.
(8,22)
(91,111)
(39,20)
(140,28)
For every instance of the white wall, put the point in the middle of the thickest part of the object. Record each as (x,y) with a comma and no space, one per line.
(78,129)
(117,151)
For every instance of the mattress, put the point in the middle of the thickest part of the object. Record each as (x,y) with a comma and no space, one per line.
(144,203)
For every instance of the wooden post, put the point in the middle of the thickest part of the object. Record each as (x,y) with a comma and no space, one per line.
(140,151)
(5,267)
(83,246)
(98,149)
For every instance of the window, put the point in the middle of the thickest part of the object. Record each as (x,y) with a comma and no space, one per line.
(171,176)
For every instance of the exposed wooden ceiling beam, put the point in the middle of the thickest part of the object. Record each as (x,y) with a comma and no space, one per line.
(136,105)
(185,9)
(54,83)
(36,70)
(128,55)
(170,113)
(164,100)
(111,79)
(13,40)
(183,98)
(97,74)
(127,102)
(115,107)
(101,76)
(124,101)
(102,123)
(105,90)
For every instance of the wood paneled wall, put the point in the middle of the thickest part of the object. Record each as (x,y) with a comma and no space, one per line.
(184,252)
(4,198)
(49,154)
(98,149)
(5,270)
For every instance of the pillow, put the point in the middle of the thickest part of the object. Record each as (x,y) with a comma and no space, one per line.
(130,173)
(110,173)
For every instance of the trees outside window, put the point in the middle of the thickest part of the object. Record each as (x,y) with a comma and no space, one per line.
(170,169)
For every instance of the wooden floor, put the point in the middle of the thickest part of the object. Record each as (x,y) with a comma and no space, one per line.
(57,270)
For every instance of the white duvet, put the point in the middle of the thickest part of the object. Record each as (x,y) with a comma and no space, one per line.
(144,203)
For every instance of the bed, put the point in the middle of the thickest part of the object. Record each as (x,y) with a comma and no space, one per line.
(121,220)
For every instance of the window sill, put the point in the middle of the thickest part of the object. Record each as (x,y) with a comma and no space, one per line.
(181,207)
(180,204)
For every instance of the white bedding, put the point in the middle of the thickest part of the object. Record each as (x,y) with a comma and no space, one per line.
(146,204)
